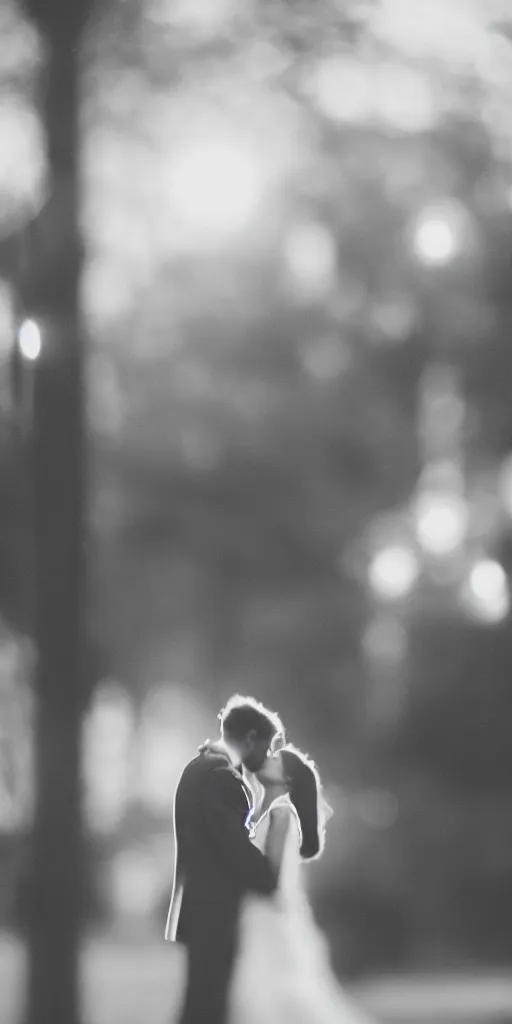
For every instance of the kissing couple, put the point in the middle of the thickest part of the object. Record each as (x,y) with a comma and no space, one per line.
(249,813)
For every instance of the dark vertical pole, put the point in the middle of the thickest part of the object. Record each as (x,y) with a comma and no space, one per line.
(52,296)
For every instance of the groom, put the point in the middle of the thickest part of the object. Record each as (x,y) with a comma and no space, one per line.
(215,861)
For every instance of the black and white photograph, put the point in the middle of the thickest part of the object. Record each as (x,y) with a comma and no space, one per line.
(255,511)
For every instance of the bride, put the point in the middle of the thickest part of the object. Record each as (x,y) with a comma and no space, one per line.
(283,973)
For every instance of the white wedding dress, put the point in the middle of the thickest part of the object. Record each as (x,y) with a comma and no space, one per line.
(283,973)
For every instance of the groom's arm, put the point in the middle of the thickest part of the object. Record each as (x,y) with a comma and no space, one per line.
(228,833)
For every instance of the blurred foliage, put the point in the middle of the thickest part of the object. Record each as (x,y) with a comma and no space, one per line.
(254,402)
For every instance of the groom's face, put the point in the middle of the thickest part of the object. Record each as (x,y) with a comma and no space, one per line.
(254,751)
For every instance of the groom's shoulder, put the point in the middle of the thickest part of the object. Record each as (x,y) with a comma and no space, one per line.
(202,765)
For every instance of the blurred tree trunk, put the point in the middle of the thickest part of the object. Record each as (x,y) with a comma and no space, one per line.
(50,295)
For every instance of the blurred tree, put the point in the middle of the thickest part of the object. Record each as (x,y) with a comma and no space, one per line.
(51,294)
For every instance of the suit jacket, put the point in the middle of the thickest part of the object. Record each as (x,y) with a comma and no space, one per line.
(215,862)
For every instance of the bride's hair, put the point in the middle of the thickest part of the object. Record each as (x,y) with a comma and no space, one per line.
(305,788)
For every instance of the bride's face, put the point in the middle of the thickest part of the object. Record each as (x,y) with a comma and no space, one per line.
(272,772)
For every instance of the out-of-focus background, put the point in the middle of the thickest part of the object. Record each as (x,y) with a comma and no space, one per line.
(297,292)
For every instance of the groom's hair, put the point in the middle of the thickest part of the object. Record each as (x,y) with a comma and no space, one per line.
(243,715)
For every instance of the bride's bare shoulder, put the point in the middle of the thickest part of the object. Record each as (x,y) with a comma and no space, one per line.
(282,801)
(282,810)
(283,813)
(280,813)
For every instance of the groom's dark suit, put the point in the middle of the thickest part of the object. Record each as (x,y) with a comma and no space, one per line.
(215,865)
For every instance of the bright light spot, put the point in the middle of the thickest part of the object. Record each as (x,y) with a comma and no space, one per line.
(393,572)
(201,17)
(352,91)
(443,232)
(404,99)
(29,340)
(341,89)
(435,241)
(486,593)
(453,31)
(215,188)
(311,257)
(441,523)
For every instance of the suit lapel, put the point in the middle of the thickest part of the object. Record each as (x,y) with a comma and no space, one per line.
(237,772)
(249,796)
(245,787)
